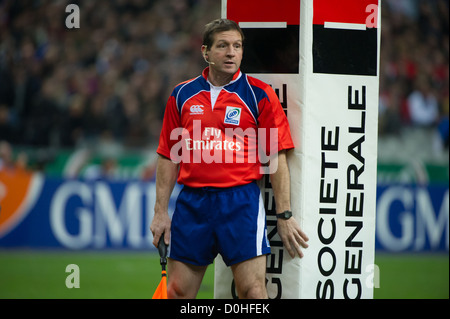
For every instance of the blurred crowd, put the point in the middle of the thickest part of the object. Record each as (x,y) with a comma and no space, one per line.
(110,79)
(107,80)
(414,68)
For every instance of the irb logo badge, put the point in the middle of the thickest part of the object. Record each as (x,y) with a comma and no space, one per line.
(232,115)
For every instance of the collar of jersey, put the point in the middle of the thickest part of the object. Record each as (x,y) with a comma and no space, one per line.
(236,76)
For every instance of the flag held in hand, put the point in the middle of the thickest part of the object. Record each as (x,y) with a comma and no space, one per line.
(161,290)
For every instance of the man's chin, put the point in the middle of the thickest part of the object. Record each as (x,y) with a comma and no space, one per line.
(229,70)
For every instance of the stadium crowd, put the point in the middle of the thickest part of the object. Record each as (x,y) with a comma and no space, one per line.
(414,69)
(110,79)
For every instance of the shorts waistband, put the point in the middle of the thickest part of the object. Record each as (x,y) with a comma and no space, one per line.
(211,189)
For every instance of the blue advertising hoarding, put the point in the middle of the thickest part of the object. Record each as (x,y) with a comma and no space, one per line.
(412,218)
(80,214)
(42,212)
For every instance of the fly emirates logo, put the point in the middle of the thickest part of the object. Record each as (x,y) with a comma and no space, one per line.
(212,140)
(233,145)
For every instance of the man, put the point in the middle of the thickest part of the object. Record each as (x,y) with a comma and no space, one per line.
(220,210)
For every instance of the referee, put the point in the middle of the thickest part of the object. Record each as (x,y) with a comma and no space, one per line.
(215,128)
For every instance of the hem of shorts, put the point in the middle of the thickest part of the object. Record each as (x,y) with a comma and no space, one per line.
(239,260)
(190,262)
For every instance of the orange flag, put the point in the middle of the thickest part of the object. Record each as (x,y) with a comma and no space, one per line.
(161,290)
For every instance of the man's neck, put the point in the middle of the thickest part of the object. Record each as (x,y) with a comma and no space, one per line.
(219,79)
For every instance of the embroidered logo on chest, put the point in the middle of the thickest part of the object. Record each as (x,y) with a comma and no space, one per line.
(196,109)
(232,115)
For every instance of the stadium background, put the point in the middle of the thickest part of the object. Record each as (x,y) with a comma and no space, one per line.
(82,109)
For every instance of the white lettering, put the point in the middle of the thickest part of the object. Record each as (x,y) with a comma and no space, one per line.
(420,223)
(429,224)
(73,19)
(373,277)
(100,217)
(372,18)
(404,197)
(58,209)
(108,219)
(235,146)
(73,279)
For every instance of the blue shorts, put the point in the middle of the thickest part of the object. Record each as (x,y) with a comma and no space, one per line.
(227,221)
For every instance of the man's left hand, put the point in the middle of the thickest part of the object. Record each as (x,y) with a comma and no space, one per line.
(292,236)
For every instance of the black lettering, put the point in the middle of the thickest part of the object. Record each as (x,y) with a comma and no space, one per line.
(233,290)
(277,283)
(272,231)
(328,286)
(273,266)
(356,105)
(350,267)
(330,211)
(357,154)
(283,101)
(326,164)
(327,198)
(329,240)
(362,128)
(358,226)
(353,183)
(328,250)
(355,281)
(354,211)
(267,183)
(269,202)
(328,146)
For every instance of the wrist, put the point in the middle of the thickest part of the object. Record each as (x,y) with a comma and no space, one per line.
(285,215)
(161,210)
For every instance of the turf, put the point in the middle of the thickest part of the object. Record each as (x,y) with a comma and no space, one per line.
(103,275)
(413,276)
(42,274)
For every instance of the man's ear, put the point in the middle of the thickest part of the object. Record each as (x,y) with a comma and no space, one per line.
(204,50)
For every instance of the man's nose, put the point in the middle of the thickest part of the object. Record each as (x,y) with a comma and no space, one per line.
(231,51)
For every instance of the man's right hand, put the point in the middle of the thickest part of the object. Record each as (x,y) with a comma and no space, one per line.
(166,177)
(160,224)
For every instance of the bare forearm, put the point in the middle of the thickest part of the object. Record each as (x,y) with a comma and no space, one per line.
(281,184)
(289,230)
(166,177)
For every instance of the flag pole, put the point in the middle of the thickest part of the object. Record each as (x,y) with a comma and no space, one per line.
(161,290)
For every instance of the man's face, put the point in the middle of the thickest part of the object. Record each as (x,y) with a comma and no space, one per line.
(226,52)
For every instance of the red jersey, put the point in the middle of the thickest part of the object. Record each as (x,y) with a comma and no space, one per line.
(221,136)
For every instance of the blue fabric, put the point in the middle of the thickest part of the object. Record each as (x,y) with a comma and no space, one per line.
(227,221)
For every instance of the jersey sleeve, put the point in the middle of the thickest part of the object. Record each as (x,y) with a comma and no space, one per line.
(171,123)
(274,123)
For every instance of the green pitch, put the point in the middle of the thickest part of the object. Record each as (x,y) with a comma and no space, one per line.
(42,274)
(413,276)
